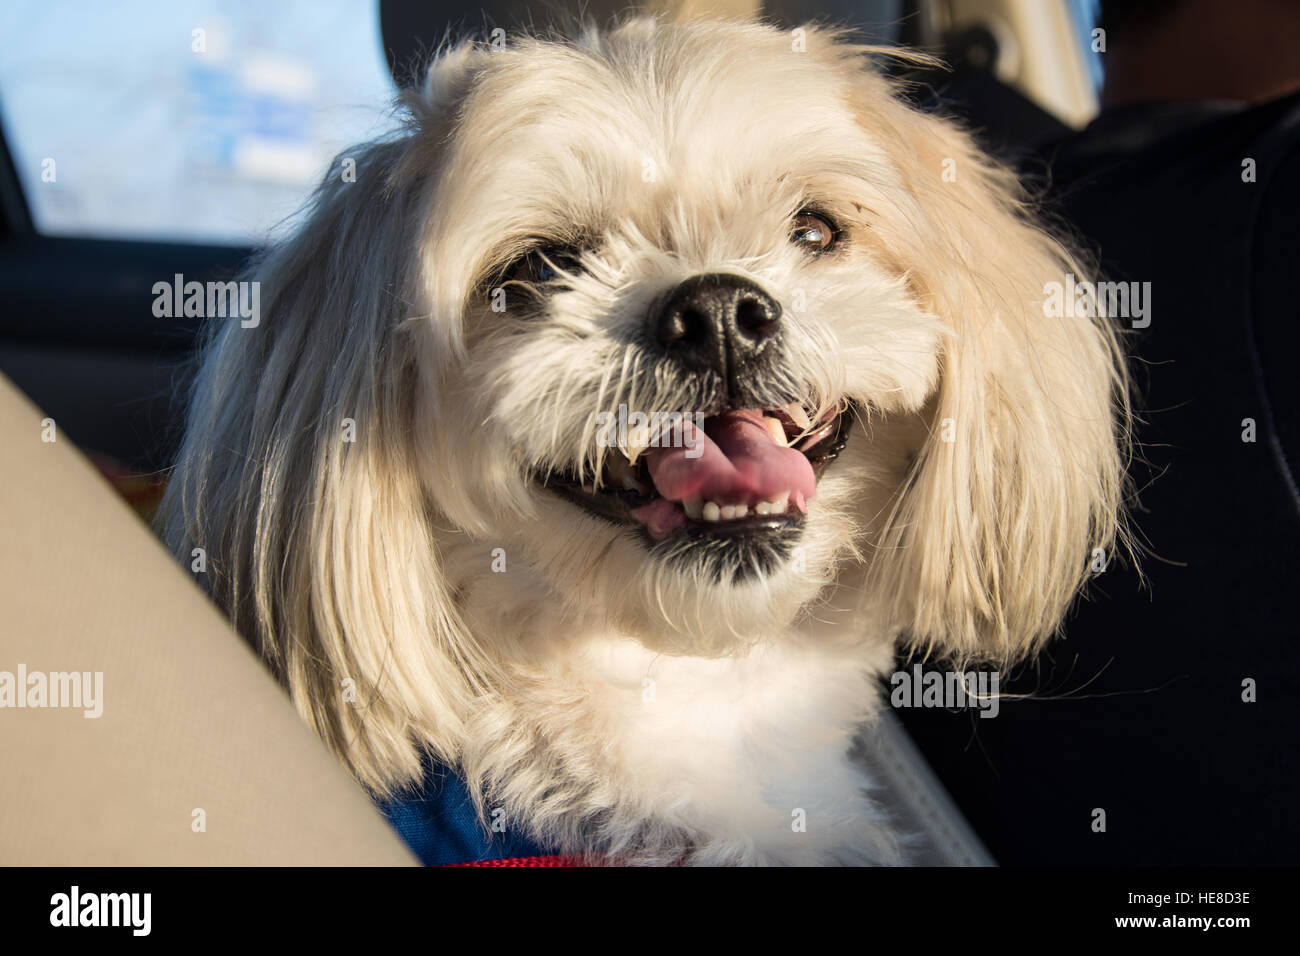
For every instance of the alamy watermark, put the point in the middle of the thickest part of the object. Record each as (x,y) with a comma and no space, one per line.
(640,430)
(208,300)
(949,690)
(71,689)
(1090,300)
(132,911)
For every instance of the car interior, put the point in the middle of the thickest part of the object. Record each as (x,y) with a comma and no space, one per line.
(94,387)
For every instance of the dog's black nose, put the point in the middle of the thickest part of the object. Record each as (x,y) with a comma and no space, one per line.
(716,322)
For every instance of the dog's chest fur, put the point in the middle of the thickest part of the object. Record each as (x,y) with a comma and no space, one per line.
(606,745)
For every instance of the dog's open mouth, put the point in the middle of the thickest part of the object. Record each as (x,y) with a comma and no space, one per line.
(747,472)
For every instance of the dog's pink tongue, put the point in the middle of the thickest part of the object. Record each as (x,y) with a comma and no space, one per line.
(734,460)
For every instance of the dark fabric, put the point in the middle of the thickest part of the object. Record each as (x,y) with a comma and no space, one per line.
(1275,305)
(1139,711)
(438,822)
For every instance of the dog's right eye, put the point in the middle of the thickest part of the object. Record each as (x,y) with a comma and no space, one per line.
(542,266)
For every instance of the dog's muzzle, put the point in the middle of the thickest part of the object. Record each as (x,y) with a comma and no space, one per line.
(737,475)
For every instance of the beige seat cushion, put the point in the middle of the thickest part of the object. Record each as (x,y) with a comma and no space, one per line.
(191,721)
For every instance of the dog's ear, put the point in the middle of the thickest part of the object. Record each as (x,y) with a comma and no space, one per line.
(299,478)
(1016,495)
(446,81)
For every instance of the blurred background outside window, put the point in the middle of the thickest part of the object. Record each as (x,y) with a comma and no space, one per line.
(212,120)
(185,121)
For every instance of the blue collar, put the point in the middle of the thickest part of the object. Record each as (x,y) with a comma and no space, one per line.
(436,818)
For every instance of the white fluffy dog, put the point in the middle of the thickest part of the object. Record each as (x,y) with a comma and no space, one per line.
(428,494)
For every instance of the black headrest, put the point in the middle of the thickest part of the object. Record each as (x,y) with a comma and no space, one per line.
(413,29)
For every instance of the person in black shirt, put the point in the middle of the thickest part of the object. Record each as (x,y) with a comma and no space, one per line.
(1173,704)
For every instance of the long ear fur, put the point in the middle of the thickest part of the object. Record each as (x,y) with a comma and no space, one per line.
(1022,474)
(298,476)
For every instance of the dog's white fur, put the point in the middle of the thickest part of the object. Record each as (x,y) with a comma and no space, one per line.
(612,703)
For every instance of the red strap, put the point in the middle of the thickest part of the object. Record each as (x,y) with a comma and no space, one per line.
(557,860)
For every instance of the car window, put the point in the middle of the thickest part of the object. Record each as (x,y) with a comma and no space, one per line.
(1084,14)
(191,121)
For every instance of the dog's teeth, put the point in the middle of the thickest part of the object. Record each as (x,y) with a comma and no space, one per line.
(762,508)
(638,440)
(797,415)
(777,505)
(694,508)
(711,511)
(775,429)
(740,511)
(728,512)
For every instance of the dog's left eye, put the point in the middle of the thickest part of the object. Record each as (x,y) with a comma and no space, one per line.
(813,232)
(542,265)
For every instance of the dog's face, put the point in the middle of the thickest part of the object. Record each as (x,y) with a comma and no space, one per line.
(689,364)
(703,327)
